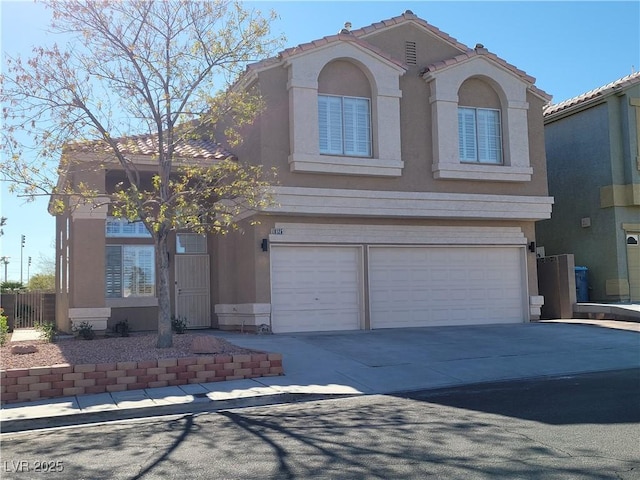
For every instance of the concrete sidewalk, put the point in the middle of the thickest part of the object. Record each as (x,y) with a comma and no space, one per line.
(318,365)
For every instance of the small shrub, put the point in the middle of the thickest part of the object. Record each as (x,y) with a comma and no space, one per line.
(47,332)
(85,330)
(122,328)
(178,324)
(4,327)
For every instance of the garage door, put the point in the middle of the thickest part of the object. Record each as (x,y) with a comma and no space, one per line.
(315,288)
(424,286)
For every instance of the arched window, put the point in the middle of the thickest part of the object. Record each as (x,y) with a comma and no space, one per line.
(479,123)
(344,111)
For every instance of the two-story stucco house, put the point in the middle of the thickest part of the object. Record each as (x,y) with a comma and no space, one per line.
(593,151)
(411,173)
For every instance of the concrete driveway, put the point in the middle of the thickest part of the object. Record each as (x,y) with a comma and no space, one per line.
(379,361)
(394,360)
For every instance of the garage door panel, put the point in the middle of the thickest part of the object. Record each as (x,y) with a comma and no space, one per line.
(445,286)
(315,288)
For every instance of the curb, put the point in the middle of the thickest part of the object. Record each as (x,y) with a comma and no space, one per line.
(199,405)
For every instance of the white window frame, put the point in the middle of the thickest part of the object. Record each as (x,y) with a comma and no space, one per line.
(123,228)
(130,256)
(480,135)
(344,125)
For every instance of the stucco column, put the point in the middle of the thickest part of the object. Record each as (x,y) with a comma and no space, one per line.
(516,134)
(444,118)
(87,265)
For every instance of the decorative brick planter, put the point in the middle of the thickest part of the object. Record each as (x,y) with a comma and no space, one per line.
(38,383)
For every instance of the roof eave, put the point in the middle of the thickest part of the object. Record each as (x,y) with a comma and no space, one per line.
(431,70)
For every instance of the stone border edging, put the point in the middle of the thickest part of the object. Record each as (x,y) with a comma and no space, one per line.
(38,383)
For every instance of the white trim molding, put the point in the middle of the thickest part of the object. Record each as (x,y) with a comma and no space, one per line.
(471,171)
(240,315)
(535,304)
(373,167)
(376,203)
(96,317)
(396,234)
(131,302)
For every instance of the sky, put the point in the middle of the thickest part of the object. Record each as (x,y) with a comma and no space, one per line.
(569,47)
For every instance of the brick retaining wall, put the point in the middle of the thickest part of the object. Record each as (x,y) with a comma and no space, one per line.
(37,383)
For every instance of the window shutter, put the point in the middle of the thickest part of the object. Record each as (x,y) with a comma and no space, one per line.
(323,123)
(138,271)
(350,125)
(467,134)
(357,127)
(113,271)
(494,137)
(363,128)
(335,125)
(489,137)
(330,124)
(482,119)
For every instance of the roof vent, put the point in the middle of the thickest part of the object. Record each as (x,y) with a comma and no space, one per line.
(408,12)
(347,28)
(480,49)
(410,53)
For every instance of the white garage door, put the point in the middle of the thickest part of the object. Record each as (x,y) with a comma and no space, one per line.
(424,286)
(315,288)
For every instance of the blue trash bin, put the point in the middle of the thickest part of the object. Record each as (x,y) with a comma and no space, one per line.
(582,285)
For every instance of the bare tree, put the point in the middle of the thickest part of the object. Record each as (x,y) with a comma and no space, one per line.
(163,69)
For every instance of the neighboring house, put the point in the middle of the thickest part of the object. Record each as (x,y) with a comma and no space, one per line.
(411,173)
(593,163)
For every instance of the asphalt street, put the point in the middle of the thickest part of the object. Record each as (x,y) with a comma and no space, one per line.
(571,427)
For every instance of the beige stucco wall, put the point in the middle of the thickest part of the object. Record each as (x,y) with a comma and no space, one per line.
(245,275)
(140,319)
(343,78)
(240,270)
(428,48)
(271,146)
(86,271)
(235,265)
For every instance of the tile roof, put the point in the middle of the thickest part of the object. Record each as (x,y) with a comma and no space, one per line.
(148,145)
(344,37)
(408,16)
(357,36)
(596,93)
(480,50)
(470,53)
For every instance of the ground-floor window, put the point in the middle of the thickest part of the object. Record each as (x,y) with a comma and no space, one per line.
(130,271)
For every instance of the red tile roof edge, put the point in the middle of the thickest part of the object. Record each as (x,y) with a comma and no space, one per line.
(355,35)
(470,53)
(146,145)
(409,16)
(599,92)
(339,37)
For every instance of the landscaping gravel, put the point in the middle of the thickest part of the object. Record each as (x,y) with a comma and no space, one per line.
(135,348)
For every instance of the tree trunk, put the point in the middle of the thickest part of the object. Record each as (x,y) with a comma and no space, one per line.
(165,335)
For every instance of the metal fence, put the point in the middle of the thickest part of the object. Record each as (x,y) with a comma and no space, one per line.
(29,308)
